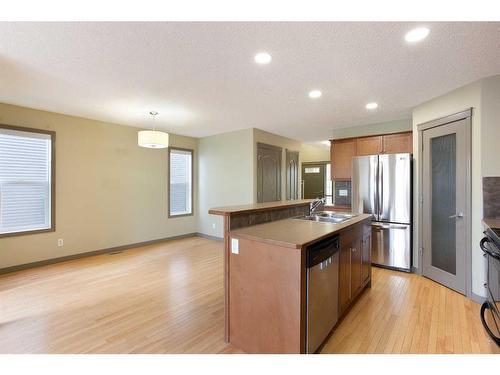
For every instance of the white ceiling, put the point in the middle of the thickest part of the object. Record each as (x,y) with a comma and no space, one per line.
(202,79)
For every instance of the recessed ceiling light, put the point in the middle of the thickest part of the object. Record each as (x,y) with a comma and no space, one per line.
(371,105)
(314,94)
(417,34)
(263,58)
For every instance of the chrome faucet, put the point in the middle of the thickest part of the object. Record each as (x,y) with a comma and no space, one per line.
(313,206)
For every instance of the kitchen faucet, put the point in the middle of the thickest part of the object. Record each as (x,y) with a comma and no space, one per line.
(313,206)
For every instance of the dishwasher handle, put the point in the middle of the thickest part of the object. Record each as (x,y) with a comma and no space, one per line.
(322,250)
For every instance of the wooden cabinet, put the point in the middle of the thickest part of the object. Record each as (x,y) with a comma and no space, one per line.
(354,263)
(398,143)
(366,256)
(356,267)
(344,278)
(369,145)
(342,152)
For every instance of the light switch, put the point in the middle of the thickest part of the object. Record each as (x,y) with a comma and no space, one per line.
(235,246)
(343,193)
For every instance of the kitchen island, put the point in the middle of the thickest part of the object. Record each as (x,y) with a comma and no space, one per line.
(266,278)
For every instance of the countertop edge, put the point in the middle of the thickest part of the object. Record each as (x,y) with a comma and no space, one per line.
(226,211)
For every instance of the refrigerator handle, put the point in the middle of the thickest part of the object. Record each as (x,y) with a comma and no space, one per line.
(380,189)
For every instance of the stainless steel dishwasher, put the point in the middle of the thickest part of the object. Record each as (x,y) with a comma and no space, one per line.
(322,291)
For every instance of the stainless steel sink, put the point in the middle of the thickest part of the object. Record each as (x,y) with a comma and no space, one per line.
(328,217)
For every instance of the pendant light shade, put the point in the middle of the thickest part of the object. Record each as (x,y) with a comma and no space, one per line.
(152,138)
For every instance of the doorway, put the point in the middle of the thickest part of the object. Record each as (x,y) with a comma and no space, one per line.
(316,181)
(445,201)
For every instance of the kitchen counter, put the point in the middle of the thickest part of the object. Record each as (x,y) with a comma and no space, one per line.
(267,282)
(227,210)
(492,223)
(293,233)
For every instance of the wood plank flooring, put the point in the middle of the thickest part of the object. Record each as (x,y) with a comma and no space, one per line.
(168,298)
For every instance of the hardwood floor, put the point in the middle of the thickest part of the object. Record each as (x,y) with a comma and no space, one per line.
(407,313)
(168,298)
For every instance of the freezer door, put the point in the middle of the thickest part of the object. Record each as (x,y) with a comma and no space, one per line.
(394,188)
(364,184)
(391,245)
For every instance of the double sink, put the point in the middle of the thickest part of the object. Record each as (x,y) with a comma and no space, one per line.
(328,217)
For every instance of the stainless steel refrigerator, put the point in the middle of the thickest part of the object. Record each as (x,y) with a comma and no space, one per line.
(381,186)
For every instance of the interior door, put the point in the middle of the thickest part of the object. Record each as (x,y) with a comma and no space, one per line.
(313,180)
(292,175)
(446,154)
(268,173)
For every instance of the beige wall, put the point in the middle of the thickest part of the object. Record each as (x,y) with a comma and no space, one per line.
(309,153)
(453,102)
(373,129)
(109,191)
(225,176)
(490,126)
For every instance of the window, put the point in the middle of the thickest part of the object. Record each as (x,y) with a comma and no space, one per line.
(181,182)
(26,180)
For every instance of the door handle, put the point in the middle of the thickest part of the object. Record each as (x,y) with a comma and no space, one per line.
(457,216)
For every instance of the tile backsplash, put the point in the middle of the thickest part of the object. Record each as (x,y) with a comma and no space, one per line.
(491,197)
(342,192)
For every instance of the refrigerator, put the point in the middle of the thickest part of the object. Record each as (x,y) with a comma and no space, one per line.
(382,186)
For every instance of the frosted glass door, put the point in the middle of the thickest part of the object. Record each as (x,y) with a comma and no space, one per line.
(443,194)
(445,156)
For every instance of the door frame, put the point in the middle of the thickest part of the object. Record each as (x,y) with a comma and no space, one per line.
(288,158)
(467,116)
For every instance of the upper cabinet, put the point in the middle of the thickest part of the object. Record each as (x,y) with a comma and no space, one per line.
(369,145)
(398,143)
(342,152)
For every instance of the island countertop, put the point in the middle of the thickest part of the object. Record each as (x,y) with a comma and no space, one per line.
(492,223)
(294,233)
(227,210)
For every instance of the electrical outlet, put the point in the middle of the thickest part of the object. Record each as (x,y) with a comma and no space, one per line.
(235,246)
(60,242)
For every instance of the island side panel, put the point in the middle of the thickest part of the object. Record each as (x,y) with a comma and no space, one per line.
(242,219)
(266,298)
(227,250)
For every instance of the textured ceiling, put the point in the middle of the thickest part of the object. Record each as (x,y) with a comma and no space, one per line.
(202,79)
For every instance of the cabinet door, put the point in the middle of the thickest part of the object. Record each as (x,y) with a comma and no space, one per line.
(342,153)
(344,278)
(366,256)
(398,143)
(369,145)
(356,266)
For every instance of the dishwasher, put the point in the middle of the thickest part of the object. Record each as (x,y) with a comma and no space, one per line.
(322,291)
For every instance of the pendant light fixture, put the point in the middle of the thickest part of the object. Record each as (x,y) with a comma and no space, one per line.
(152,138)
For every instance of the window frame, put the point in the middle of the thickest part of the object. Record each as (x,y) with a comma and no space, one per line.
(191,151)
(52,135)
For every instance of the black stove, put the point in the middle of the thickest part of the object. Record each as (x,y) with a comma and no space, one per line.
(490,310)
